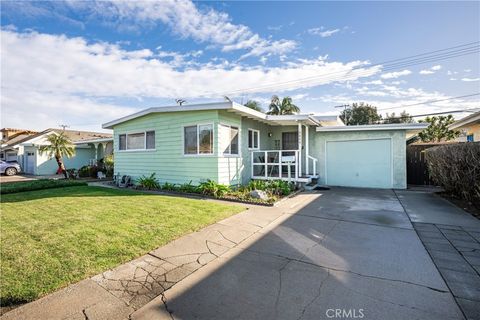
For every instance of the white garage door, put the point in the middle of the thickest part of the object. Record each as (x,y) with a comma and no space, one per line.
(359,163)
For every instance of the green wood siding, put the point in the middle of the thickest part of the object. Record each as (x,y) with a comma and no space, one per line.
(167,160)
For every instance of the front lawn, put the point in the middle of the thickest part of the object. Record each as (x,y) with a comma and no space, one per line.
(51,238)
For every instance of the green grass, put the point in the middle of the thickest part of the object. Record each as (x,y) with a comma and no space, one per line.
(22,186)
(54,237)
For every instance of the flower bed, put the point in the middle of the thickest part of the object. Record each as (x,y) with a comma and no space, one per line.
(258,192)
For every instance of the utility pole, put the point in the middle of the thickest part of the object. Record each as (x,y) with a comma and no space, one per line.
(345,106)
(64,126)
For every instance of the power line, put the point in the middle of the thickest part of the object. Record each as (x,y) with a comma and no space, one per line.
(431,101)
(431,114)
(447,53)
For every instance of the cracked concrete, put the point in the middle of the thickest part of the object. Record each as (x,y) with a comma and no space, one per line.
(342,248)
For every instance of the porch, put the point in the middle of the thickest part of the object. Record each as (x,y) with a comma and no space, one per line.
(290,159)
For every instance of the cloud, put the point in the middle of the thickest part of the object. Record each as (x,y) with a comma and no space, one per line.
(184,18)
(470,79)
(431,70)
(322,32)
(91,72)
(394,75)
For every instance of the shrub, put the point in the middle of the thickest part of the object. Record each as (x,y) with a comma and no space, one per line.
(149,182)
(188,188)
(84,172)
(257,185)
(169,186)
(213,188)
(22,186)
(456,167)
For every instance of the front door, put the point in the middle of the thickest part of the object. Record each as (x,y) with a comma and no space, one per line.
(30,163)
(289,140)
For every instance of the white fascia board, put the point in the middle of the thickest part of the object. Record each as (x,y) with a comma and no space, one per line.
(94,140)
(191,107)
(465,121)
(32,141)
(375,127)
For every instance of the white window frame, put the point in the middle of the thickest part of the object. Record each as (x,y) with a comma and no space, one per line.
(144,149)
(253,136)
(198,154)
(230,154)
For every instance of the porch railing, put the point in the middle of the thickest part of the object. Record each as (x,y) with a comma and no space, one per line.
(314,165)
(275,164)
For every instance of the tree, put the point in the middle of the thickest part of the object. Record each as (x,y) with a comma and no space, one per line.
(438,129)
(252,104)
(360,113)
(285,106)
(60,146)
(404,117)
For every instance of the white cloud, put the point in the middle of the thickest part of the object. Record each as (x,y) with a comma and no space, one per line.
(322,32)
(394,75)
(432,70)
(470,79)
(425,72)
(76,76)
(187,20)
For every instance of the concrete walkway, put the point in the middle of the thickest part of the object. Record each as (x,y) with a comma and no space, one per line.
(452,238)
(352,251)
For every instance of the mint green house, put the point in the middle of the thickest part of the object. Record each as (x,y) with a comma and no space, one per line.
(232,144)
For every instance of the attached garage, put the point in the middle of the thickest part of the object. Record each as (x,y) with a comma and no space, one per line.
(368,156)
(359,163)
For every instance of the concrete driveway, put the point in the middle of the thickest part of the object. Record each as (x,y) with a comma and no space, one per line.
(347,253)
(336,254)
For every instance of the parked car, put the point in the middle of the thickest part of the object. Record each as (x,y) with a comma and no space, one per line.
(9,168)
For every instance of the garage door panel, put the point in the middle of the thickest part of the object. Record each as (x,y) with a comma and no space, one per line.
(359,163)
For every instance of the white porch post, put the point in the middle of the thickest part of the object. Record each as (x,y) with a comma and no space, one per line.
(96,150)
(104,145)
(306,150)
(299,163)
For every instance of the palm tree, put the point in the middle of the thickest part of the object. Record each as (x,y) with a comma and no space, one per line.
(252,104)
(60,146)
(285,106)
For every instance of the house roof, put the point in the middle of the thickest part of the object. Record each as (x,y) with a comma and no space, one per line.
(74,135)
(227,106)
(377,127)
(471,119)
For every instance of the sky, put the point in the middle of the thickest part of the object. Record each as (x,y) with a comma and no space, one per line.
(84,63)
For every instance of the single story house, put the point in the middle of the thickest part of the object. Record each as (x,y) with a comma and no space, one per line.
(232,144)
(469,128)
(89,147)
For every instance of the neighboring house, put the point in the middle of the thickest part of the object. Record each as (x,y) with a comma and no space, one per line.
(232,144)
(10,137)
(469,128)
(89,147)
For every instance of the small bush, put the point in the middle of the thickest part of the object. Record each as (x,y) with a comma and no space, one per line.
(456,167)
(169,186)
(213,188)
(22,186)
(84,172)
(188,188)
(149,183)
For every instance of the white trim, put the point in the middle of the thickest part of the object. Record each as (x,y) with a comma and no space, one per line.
(230,106)
(465,121)
(363,139)
(375,127)
(130,132)
(231,155)
(198,141)
(258,142)
(94,140)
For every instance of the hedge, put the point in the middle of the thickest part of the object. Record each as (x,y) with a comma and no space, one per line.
(23,186)
(456,167)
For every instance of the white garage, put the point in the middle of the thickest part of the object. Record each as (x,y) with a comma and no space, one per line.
(359,163)
(366,156)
